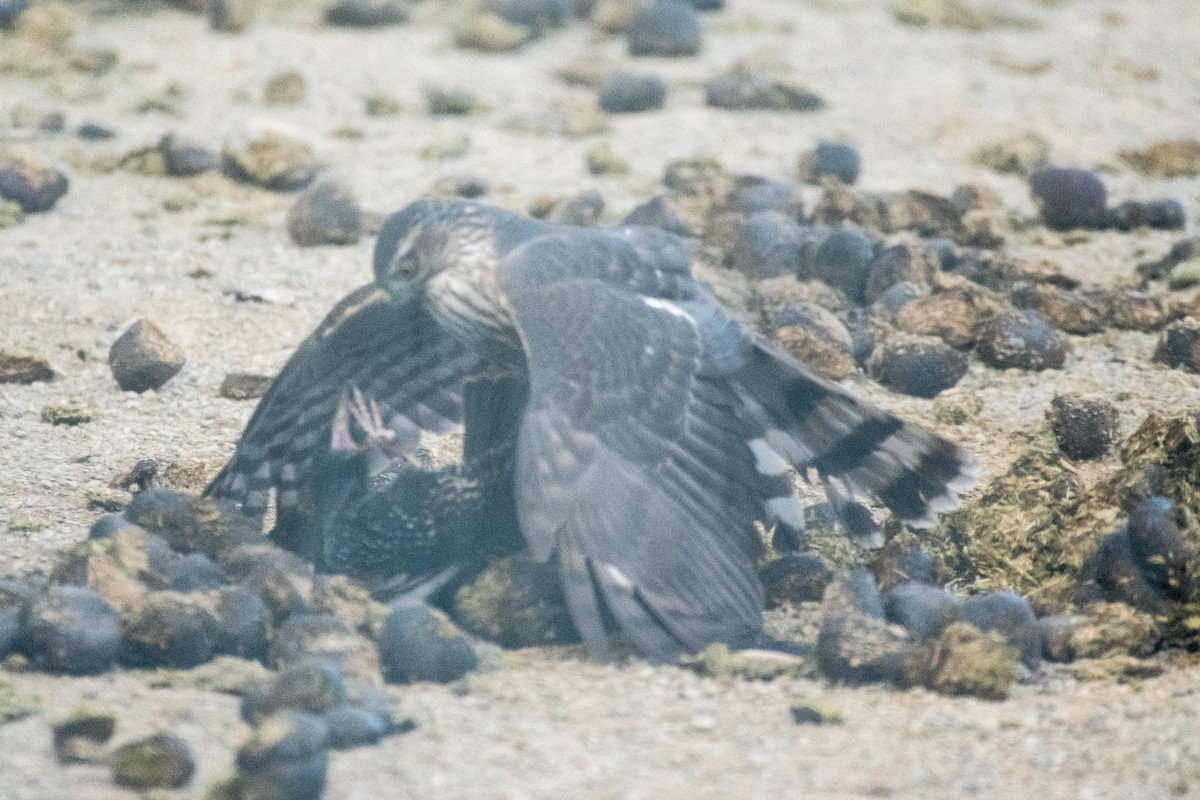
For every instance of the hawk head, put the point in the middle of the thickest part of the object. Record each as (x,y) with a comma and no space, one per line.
(425,238)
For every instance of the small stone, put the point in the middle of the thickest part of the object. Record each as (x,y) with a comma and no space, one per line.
(751,194)
(857,648)
(191,573)
(1157,214)
(817,338)
(10,10)
(170,629)
(312,684)
(183,158)
(742,89)
(956,407)
(282,579)
(1057,633)
(443,101)
(954,316)
(192,524)
(910,262)
(95,132)
(270,160)
(464,185)
(897,563)
(287,88)
(285,759)
(767,245)
(142,358)
(1015,155)
(718,661)
(840,204)
(1084,428)
(1070,198)
(854,591)
(491,33)
(515,602)
(664,28)
(24,369)
(231,16)
(1172,158)
(31,186)
(921,366)
(663,212)
(381,105)
(1010,615)
(624,93)
(10,214)
(1181,251)
(923,610)
(95,61)
(842,259)
(1115,629)
(446,149)
(80,739)
(417,643)
(795,578)
(244,385)
(323,636)
(327,212)
(1021,340)
(965,661)
(538,16)
(603,160)
(815,715)
(243,623)
(1179,345)
(159,761)
(366,13)
(583,210)
(71,630)
(830,159)
(1071,310)
(69,415)
(353,726)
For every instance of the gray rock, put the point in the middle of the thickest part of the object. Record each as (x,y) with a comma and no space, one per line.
(325,213)
(142,358)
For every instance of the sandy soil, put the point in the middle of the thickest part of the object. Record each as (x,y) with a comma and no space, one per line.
(1097,76)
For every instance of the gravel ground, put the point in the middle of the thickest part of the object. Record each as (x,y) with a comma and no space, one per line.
(1096,77)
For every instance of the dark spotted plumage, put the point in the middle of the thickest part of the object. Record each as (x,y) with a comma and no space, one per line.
(649,431)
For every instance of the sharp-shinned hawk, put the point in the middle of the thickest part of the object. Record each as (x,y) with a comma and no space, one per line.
(649,430)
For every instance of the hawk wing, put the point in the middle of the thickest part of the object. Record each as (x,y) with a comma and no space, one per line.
(632,464)
(394,352)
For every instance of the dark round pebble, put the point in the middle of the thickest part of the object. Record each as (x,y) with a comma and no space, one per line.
(689,173)
(244,623)
(95,132)
(817,338)
(538,16)
(325,213)
(80,739)
(664,28)
(366,13)
(270,160)
(9,11)
(10,628)
(831,159)
(192,524)
(318,635)
(109,524)
(192,573)
(921,366)
(1070,198)
(184,158)
(752,193)
(857,648)
(72,630)
(923,610)
(417,643)
(312,684)
(795,578)
(766,245)
(143,358)
(356,726)
(623,93)
(661,212)
(1158,214)
(888,304)
(842,259)
(584,210)
(946,251)
(170,630)
(743,89)
(1021,340)
(159,761)
(285,758)
(283,580)
(1010,615)
(1057,633)
(34,188)
(910,262)
(1084,428)
(1158,547)
(1179,345)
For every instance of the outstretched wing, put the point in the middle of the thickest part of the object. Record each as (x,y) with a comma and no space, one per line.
(632,465)
(394,352)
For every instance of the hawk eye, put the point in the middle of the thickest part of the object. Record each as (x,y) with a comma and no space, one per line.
(405,266)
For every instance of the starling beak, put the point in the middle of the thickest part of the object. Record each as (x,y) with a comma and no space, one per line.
(640,432)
